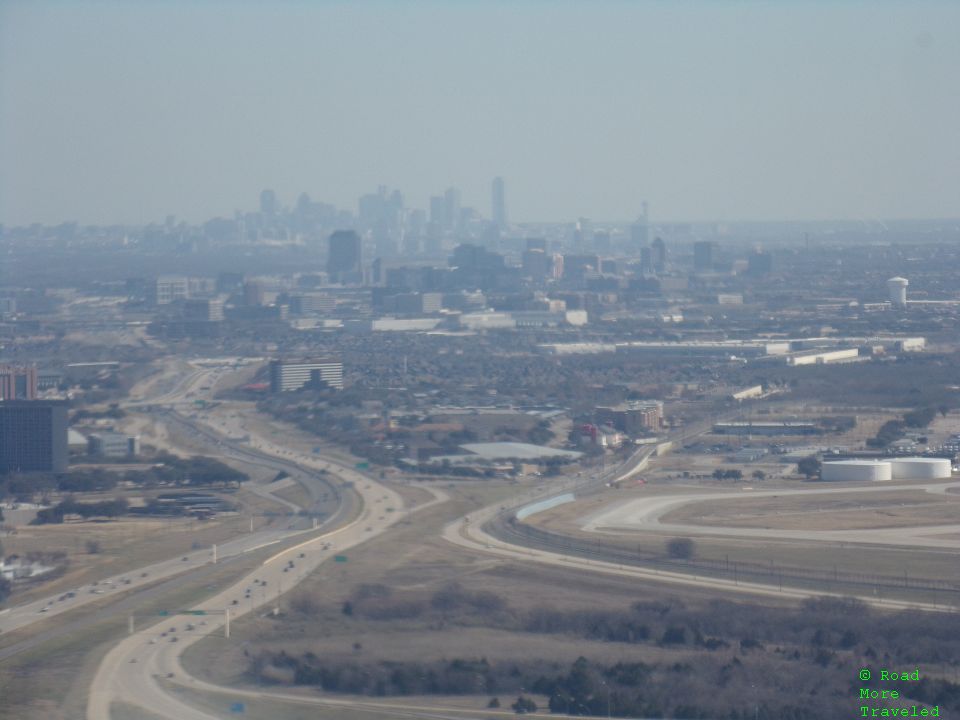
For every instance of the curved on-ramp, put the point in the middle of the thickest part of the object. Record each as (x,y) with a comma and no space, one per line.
(470,532)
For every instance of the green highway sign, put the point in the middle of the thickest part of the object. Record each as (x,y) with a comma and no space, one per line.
(339,558)
(362,466)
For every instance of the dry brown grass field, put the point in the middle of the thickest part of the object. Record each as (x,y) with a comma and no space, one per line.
(412,559)
(823,512)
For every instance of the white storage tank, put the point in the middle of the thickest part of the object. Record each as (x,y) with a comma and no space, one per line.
(920,468)
(897,287)
(856,470)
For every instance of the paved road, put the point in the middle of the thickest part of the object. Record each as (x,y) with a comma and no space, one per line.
(130,671)
(469,532)
(21,616)
(327,501)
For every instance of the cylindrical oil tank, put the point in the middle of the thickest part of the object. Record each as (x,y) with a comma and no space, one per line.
(920,468)
(856,470)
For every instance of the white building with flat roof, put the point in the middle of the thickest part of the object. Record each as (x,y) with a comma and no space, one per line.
(287,376)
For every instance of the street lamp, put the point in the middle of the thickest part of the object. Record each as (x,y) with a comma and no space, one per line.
(607,688)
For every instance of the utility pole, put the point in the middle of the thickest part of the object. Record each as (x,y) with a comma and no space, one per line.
(130,629)
(214,553)
(226,626)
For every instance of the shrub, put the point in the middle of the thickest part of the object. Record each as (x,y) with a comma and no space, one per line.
(680,548)
(524,705)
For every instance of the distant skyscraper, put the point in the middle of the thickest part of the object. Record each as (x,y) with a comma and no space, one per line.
(343,261)
(639,235)
(537,264)
(499,210)
(252,293)
(438,211)
(646,261)
(659,249)
(601,241)
(33,436)
(451,200)
(268,202)
(703,256)
(18,382)
(582,233)
(578,267)
(759,262)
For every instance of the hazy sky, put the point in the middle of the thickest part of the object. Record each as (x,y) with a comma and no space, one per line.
(127,112)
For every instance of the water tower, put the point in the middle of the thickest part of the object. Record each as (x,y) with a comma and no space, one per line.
(897,287)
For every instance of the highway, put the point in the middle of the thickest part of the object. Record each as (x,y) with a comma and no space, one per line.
(327,501)
(139,669)
(130,672)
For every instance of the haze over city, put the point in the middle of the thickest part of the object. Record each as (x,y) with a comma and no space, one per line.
(467,360)
(129,112)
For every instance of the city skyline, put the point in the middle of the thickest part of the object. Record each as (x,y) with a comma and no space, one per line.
(461,358)
(709,111)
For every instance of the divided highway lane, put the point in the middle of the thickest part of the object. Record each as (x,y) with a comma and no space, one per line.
(324,495)
(130,672)
(24,615)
